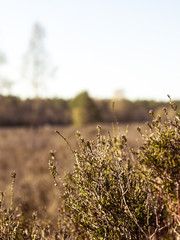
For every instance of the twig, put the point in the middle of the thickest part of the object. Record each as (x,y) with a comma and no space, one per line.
(65,141)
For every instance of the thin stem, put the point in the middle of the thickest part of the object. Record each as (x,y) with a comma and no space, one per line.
(65,141)
(13,176)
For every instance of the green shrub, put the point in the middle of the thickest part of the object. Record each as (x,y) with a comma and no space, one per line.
(114,194)
(99,197)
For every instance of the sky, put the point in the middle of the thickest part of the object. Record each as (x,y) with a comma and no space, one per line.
(99,46)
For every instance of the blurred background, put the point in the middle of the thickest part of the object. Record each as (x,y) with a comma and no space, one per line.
(68,65)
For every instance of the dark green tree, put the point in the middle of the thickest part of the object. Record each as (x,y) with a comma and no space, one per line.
(84,109)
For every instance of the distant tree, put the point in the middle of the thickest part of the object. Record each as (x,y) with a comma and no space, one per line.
(84,109)
(5,83)
(105,110)
(36,66)
(122,109)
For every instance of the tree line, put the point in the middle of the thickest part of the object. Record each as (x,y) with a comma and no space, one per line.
(79,110)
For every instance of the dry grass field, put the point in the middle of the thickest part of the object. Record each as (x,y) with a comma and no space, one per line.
(26,151)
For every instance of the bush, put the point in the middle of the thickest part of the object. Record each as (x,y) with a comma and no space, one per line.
(116,193)
(99,197)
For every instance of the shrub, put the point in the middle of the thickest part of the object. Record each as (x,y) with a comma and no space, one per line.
(114,194)
(99,196)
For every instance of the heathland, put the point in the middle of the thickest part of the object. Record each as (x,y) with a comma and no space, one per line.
(113,179)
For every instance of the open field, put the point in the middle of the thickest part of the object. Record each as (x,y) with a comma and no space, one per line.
(26,151)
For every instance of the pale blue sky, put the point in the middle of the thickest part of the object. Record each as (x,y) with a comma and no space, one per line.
(98,46)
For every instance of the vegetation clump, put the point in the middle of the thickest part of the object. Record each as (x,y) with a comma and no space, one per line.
(116,192)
